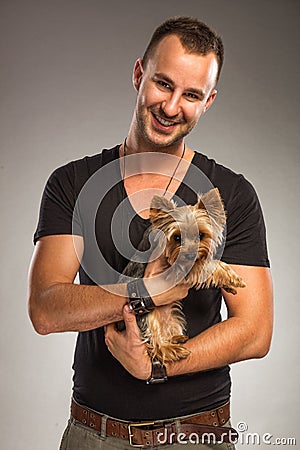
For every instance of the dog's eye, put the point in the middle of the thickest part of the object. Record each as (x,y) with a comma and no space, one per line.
(201,235)
(177,238)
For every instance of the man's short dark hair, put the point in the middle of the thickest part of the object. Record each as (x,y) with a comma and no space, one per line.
(195,36)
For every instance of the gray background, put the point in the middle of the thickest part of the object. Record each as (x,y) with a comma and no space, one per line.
(66,92)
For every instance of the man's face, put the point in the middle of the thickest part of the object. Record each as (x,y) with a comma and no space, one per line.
(174,89)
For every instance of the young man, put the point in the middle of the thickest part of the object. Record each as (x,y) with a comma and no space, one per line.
(94,213)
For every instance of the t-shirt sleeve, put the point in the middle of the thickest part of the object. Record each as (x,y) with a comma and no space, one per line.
(246,231)
(57,204)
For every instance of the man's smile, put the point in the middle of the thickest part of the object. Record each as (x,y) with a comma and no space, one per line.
(164,122)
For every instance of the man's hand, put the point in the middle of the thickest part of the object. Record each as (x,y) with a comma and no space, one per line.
(127,346)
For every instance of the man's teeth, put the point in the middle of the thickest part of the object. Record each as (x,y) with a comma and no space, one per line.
(164,122)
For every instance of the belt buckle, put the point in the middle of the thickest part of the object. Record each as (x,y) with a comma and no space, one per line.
(139,424)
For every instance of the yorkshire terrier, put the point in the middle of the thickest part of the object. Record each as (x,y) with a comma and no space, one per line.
(190,236)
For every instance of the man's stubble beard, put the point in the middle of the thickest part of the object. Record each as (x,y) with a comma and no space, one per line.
(141,119)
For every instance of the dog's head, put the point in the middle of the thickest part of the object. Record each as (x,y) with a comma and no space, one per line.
(192,233)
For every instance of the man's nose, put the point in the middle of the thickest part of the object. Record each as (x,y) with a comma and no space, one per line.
(171,106)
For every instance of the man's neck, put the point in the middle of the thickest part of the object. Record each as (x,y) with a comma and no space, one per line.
(135,143)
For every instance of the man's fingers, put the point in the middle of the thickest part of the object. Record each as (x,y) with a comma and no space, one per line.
(129,317)
(130,321)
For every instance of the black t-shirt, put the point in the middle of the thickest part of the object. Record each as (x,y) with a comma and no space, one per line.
(87,197)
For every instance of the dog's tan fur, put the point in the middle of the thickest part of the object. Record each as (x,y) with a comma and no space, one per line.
(163,329)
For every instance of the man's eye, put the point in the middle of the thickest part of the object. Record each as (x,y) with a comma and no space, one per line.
(164,84)
(192,96)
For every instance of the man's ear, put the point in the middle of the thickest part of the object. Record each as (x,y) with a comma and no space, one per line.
(138,72)
(210,100)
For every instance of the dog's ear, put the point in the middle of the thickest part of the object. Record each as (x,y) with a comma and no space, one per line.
(159,208)
(159,202)
(212,202)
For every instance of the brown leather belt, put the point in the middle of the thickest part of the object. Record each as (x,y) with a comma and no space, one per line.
(208,424)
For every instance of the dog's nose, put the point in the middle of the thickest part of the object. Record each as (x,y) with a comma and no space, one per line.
(189,256)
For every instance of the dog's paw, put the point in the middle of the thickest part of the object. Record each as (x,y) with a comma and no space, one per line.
(174,352)
(230,289)
(180,339)
(230,279)
(170,352)
(236,281)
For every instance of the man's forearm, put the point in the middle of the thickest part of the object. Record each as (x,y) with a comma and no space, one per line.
(246,334)
(227,342)
(56,304)
(72,307)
